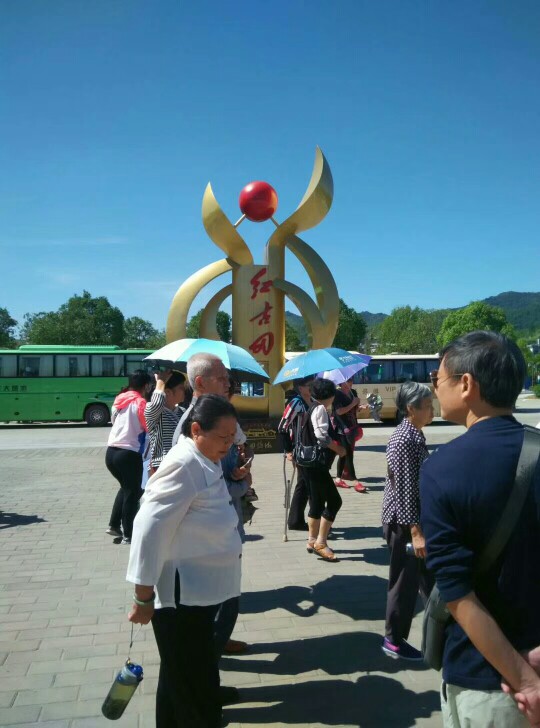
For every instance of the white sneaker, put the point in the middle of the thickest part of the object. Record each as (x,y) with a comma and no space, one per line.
(126,541)
(114,532)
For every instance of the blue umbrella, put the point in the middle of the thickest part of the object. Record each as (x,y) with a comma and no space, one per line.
(240,363)
(319,360)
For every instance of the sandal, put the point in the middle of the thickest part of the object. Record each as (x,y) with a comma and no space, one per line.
(360,488)
(340,483)
(310,545)
(325,552)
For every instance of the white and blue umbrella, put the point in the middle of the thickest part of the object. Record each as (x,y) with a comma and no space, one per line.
(320,360)
(238,361)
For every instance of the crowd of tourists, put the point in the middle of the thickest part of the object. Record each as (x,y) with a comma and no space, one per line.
(439,515)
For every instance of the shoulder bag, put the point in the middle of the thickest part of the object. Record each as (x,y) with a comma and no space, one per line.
(437,617)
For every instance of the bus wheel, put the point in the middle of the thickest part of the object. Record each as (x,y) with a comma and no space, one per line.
(96,415)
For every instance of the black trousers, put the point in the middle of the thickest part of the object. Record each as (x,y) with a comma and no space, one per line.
(407,575)
(127,467)
(188,685)
(299,501)
(324,499)
(347,461)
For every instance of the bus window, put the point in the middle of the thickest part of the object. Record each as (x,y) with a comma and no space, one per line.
(36,366)
(107,366)
(251,389)
(8,365)
(409,371)
(377,371)
(134,362)
(431,365)
(72,365)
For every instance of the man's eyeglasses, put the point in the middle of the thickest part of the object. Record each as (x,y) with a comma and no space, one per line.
(434,376)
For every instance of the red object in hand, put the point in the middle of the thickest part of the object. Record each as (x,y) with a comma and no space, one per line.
(258,201)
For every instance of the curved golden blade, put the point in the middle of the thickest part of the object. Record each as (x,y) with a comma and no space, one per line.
(185,295)
(321,318)
(222,231)
(322,280)
(208,327)
(314,205)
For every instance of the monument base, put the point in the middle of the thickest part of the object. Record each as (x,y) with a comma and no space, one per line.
(262,434)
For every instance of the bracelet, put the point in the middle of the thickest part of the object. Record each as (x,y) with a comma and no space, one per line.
(144,602)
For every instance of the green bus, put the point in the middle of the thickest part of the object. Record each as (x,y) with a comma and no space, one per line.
(64,383)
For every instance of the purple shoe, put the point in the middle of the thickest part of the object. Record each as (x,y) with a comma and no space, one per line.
(403,650)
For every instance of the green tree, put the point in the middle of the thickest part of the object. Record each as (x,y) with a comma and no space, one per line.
(409,331)
(140,334)
(474,317)
(292,339)
(223,323)
(81,320)
(351,328)
(7,324)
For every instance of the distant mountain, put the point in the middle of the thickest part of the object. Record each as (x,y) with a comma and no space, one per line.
(372,319)
(522,311)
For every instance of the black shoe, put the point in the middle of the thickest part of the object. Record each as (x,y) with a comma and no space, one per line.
(228,695)
(299,527)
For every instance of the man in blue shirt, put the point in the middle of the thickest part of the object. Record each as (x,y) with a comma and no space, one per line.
(464,487)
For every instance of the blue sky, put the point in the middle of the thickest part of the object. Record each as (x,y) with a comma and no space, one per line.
(114,115)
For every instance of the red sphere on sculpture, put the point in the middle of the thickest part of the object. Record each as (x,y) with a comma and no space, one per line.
(258,201)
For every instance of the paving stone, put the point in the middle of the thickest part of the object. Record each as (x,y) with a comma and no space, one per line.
(313,628)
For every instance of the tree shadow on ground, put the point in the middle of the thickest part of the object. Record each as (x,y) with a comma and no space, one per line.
(337,654)
(356,596)
(372,701)
(11,520)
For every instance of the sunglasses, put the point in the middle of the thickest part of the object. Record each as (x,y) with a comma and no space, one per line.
(434,376)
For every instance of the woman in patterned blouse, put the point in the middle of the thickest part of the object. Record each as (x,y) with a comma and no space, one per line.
(405,454)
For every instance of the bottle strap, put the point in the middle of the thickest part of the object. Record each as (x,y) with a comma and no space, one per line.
(131,641)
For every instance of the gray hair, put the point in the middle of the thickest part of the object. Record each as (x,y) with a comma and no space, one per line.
(201,365)
(411,394)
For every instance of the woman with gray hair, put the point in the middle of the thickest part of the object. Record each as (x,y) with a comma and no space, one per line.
(405,453)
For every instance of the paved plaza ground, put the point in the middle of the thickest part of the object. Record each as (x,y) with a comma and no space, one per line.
(314,627)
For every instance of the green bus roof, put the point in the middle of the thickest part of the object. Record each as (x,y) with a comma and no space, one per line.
(61,349)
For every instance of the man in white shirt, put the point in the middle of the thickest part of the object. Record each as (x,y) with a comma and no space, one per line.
(206,374)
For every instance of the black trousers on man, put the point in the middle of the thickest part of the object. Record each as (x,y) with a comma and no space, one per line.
(407,575)
(299,501)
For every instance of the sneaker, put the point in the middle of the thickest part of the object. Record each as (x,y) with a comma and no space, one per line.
(126,541)
(114,532)
(403,650)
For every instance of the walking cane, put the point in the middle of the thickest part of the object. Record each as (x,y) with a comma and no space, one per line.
(288,482)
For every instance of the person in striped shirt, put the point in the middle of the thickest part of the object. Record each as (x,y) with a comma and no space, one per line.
(163,413)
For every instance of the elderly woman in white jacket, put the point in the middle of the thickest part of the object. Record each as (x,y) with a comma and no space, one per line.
(185,560)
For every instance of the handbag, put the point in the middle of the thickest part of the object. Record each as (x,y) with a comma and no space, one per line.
(310,455)
(437,616)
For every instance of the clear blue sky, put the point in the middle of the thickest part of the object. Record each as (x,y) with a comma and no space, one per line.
(116,113)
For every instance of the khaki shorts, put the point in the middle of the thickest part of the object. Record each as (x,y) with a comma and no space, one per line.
(463,708)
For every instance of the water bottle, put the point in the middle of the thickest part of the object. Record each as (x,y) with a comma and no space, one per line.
(122,689)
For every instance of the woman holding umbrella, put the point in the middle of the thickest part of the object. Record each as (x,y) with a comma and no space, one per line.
(324,499)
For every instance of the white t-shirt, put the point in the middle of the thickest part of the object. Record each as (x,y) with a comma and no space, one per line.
(187,522)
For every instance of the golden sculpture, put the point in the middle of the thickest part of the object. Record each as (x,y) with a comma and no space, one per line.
(258,291)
